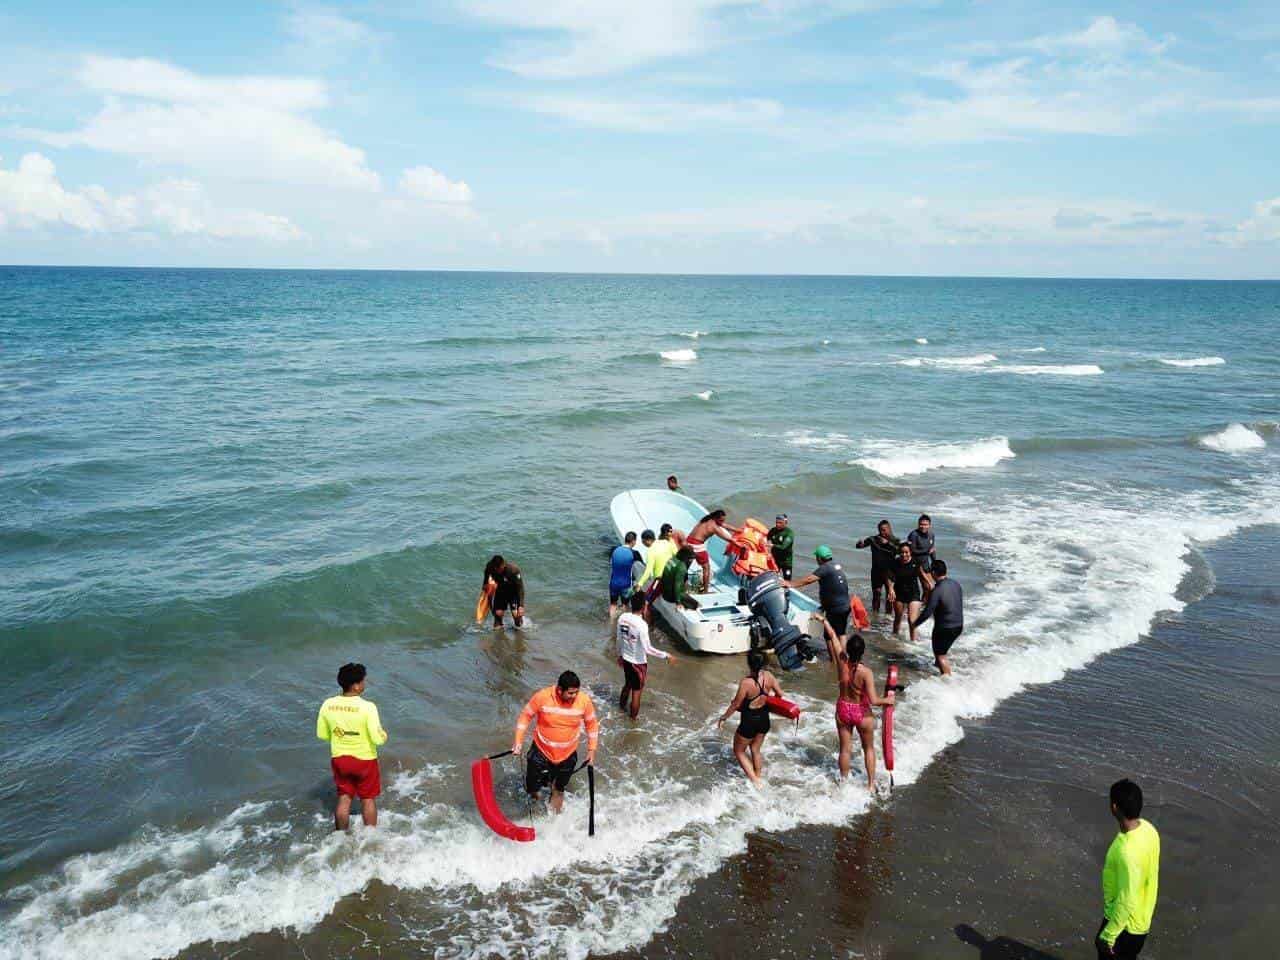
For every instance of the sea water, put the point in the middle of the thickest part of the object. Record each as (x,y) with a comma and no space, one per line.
(218,486)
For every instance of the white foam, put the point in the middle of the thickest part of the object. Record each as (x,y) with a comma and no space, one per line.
(897,459)
(694,334)
(705,394)
(815,441)
(1050,369)
(1049,608)
(1193,362)
(679,356)
(977,360)
(1233,439)
(923,341)
(826,343)
(1033,350)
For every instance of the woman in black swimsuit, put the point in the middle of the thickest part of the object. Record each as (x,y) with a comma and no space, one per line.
(904,589)
(749,700)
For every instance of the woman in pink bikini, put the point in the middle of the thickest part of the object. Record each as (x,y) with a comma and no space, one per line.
(857,697)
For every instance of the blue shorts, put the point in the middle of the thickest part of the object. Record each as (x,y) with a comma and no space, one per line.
(618,593)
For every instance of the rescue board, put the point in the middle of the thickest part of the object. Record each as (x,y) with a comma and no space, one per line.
(886,728)
(482,604)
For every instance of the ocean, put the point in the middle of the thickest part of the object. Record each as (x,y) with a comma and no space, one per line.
(218,486)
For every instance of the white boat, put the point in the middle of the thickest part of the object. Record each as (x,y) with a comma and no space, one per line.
(720,624)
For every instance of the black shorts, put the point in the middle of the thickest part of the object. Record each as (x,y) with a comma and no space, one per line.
(539,771)
(753,724)
(839,620)
(880,579)
(910,595)
(617,595)
(785,570)
(633,675)
(505,600)
(943,638)
(1127,945)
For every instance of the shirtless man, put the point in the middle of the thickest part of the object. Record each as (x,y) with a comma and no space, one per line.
(712,525)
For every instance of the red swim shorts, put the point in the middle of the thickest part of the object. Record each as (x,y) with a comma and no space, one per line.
(356,778)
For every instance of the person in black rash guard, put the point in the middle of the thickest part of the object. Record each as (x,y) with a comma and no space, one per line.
(946,606)
(904,589)
(884,551)
(833,589)
(509,593)
(922,550)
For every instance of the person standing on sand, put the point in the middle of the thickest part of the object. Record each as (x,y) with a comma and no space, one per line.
(508,593)
(750,700)
(624,557)
(1130,876)
(884,550)
(634,650)
(782,542)
(350,725)
(712,525)
(946,606)
(559,714)
(857,695)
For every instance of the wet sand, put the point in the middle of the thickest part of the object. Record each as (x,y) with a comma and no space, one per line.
(996,852)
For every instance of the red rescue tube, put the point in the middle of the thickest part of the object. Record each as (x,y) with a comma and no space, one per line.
(782,708)
(860,618)
(487,804)
(886,728)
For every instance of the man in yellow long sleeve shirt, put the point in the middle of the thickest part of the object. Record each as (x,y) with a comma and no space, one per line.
(1130,876)
(350,725)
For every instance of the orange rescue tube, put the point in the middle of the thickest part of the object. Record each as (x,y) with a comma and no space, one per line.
(782,708)
(860,618)
(487,804)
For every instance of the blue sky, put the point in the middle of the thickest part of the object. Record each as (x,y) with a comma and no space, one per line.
(751,136)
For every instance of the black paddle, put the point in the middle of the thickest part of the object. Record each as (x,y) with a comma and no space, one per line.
(591,792)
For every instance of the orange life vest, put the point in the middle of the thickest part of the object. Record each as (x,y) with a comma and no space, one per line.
(750,550)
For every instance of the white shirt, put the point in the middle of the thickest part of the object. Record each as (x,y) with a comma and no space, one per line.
(633,640)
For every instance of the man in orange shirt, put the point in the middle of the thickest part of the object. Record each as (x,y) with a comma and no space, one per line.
(559,714)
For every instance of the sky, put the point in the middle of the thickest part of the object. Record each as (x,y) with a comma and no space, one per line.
(987,137)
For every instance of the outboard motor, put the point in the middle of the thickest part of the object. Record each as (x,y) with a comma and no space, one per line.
(768,602)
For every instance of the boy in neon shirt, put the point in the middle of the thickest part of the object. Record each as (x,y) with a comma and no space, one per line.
(351,726)
(1130,876)
(559,714)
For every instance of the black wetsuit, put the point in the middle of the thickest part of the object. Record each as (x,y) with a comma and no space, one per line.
(883,555)
(509,593)
(833,595)
(921,548)
(946,606)
(906,580)
(754,721)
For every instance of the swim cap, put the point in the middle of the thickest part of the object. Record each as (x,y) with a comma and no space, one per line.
(781,516)
(823,552)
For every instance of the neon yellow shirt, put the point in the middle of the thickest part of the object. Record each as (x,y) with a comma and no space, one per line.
(351,726)
(656,560)
(1130,877)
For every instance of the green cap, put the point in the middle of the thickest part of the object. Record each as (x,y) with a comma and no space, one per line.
(823,552)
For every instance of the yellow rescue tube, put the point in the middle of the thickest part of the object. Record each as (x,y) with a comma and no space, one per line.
(482,604)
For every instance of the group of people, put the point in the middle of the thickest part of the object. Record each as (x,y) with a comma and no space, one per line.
(913,581)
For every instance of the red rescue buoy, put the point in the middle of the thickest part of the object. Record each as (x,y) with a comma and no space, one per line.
(782,708)
(860,618)
(487,804)
(886,728)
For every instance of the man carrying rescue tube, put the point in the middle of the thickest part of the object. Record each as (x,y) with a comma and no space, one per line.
(350,725)
(782,541)
(712,525)
(634,650)
(559,714)
(833,589)
(508,591)
(884,551)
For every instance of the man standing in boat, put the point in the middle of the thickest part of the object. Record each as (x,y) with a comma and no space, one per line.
(782,541)
(712,525)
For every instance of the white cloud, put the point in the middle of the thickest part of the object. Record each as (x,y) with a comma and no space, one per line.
(438,191)
(654,115)
(247,128)
(597,37)
(1103,38)
(31,196)
(1262,227)
(326,32)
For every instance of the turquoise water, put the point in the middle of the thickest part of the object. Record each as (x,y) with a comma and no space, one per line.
(217,486)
